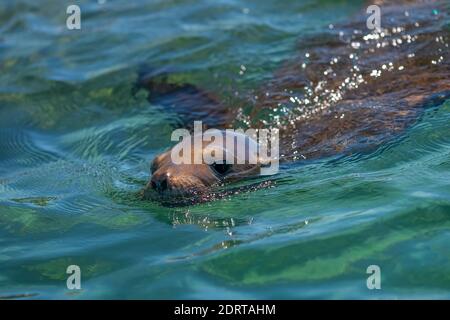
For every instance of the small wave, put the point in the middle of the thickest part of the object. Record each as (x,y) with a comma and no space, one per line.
(20,148)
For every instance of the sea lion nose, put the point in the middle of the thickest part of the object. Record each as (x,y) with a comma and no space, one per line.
(159,183)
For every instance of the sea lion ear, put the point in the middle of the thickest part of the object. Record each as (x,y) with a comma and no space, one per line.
(156,162)
(153,165)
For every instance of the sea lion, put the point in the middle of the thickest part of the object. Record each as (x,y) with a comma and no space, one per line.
(218,163)
(347,91)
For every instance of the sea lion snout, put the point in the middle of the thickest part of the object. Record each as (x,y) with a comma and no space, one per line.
(159,183)
(169,180)
(181,180)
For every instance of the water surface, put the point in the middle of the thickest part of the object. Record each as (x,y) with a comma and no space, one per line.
(76,143)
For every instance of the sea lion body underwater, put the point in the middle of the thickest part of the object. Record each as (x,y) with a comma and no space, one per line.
(347,91)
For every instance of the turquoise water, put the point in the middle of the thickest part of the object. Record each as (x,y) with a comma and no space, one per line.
(75,148)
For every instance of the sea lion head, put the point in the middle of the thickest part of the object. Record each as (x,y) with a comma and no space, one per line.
(218,162)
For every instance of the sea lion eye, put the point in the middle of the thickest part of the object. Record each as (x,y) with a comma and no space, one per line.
(221,168)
